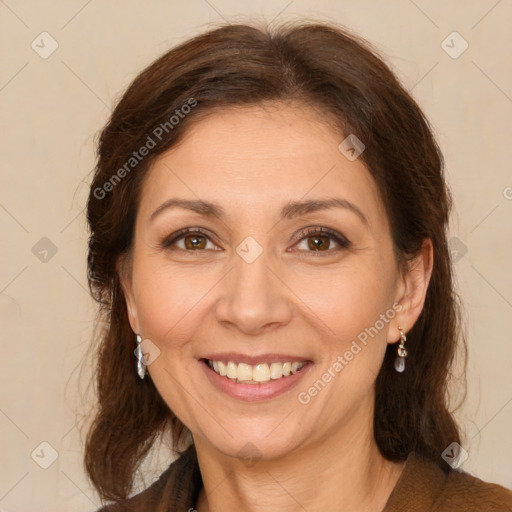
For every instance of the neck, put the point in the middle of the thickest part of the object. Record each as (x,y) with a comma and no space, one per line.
(342,471)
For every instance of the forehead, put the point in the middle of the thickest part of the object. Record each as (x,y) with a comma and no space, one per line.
(258,158)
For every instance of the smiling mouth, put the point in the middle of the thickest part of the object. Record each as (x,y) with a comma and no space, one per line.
(261,373)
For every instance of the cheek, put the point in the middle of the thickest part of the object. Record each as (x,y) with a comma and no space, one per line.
(169,301)
(357,315)
(352,309)
(340,302)
(346,300)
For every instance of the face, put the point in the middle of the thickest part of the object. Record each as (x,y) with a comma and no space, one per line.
(262,279)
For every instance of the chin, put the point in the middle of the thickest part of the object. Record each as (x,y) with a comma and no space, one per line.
(262,441)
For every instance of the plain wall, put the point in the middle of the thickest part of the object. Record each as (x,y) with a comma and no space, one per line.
(51,110)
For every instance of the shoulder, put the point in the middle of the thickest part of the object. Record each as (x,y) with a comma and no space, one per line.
(468,490)
(176,489)
(424,486)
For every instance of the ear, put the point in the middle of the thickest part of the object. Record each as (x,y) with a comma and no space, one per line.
(124,272)
(412,290)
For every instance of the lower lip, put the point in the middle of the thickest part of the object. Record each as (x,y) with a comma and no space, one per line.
(254,392)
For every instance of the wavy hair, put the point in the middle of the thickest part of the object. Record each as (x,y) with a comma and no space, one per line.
(343,76)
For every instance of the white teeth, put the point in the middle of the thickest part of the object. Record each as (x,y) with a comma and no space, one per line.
(222,368)
(232,370)
(254,374)
(276,370)
(244,371)
(260,373)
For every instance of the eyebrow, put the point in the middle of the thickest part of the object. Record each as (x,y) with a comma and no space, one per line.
(290,210)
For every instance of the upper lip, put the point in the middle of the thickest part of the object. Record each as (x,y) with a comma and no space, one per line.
(252,360)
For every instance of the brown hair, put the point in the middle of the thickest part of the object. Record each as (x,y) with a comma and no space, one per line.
(323,66)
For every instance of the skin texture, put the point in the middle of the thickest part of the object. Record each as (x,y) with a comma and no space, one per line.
(292,299)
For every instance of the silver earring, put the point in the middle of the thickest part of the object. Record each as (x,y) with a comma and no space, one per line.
(141,362)
(401,353)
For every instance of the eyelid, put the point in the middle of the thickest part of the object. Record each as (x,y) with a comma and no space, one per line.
(181,233)
(341,240)
(304,233)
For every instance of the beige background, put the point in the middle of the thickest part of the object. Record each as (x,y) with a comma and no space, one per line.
(51,110)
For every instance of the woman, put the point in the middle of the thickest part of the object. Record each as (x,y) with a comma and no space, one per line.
(268,225)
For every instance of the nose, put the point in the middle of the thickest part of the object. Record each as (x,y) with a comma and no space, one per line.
(253,298)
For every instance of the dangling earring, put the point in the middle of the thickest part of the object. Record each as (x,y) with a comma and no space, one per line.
(401,353)
(141,362)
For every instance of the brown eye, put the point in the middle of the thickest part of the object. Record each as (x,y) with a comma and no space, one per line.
(319,240)
(193,242)
(188,239)
(316,243)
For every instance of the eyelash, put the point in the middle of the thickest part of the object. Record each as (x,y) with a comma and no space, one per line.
(343,242)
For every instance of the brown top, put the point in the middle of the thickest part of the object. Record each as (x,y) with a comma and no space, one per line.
(422,487)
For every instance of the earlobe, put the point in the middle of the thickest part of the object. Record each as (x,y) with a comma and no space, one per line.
(414,286)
